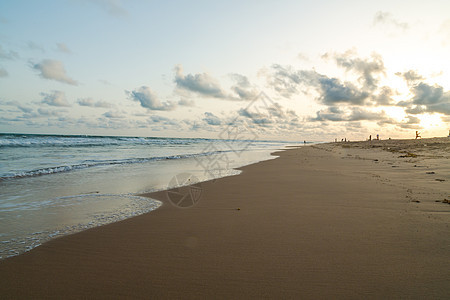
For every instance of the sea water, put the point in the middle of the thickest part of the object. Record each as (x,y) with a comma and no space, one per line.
(52,185)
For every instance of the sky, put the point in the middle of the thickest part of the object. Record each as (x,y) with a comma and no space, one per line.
(284,70)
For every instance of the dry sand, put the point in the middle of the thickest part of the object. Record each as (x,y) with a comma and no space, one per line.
(339,220)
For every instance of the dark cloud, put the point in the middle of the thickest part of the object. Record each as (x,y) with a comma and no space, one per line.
(273,115)
(202,84)
(287,82)
(367,69)
(384,96)
(25,109)
(337,114)
(428,98)
(148,99)
(425,94)
(243,88)
(53,69)
(412,120)
(55,98)
(212,119)
(415,110)
(162,120)
(91,103)
(334,91)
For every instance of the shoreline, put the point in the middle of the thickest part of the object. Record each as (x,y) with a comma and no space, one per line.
(70,202)
(317,221)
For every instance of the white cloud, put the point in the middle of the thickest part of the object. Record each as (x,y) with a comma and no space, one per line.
(63,48)
(202,84)
(49,113)
(386,18)
(148,99)
(186,102)
(55,98)
(53,69)
(91,103)
(113,115)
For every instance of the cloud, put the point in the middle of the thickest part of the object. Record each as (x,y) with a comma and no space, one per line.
(336,114)
(334,91)
(3,72)
(155,119)
(53,69)
(33,46)
(432,97)
(243,88)
(366,69)
(384,96)
(411,76)
(8,55)
(271,115)
(113,115)
(285,80)
(186,102)
(25,109)
(425,94)
(91,103)
(427,98)
(112,7)
(55,98)
(202,84)
(148,99)
(386,18)
(48,113)
(212,119)
(63,48)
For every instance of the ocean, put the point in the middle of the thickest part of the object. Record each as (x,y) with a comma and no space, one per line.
(53,185)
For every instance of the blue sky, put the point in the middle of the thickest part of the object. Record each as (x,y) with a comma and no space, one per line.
(329,69)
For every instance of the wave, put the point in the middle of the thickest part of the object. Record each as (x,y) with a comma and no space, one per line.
(13,140)
(97,163)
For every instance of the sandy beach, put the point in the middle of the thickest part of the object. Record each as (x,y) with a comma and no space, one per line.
(338,220)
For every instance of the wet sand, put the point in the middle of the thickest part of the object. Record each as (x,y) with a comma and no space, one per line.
(338,220)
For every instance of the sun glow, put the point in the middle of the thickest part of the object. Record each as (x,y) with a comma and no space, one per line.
(430,121)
